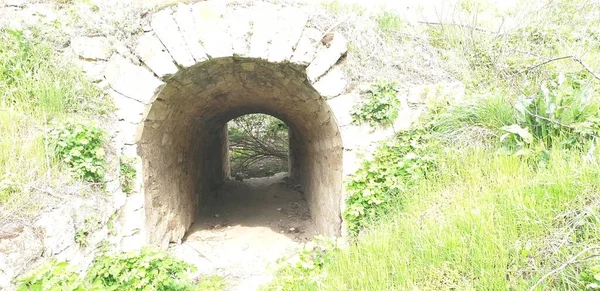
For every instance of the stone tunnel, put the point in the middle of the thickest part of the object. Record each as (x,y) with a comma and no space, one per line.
(198,66)
(199,69)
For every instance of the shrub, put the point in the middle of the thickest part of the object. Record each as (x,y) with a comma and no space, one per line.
(591,278)
(379,106)
(565,110)
(79,144)
(308,268)
(147,270)
(395,167)
(90,225)
(127,174)
(53,276)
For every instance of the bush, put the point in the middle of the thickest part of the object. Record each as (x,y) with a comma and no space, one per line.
(591,278)
(379,106)
(53,276)
(127,174)
(147,270)
(308,268)
(79,144)
(395,167)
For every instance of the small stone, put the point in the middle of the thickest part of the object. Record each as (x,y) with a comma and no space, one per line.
(279,209)
(216,216)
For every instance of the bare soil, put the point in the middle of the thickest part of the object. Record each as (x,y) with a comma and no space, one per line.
(254,223)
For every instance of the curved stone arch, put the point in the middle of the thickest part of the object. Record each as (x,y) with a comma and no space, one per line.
(199,69)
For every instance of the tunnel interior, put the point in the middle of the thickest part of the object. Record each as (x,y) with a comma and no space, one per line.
(184,146)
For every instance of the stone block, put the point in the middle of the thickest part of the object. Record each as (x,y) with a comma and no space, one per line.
(185,21)
(167,31)
(131,80)
(327,57)
(332,84)
(91,48)
(212,28)
(154,54)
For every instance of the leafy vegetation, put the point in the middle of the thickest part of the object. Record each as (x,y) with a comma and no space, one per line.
(80,145)
(148,269)
(128,174)
(36,87)
(386,178)
(307,268)
(90,225)
(379,107)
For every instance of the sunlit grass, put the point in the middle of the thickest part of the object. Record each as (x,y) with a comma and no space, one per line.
(485,223)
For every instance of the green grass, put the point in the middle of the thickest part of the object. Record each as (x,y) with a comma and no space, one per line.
(485,222)
(35,87)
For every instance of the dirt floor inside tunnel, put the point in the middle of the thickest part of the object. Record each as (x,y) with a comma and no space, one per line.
(251,225)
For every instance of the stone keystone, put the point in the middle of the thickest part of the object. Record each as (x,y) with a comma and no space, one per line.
(167,31)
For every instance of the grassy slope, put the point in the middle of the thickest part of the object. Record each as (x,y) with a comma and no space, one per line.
(487,222)
(35,87)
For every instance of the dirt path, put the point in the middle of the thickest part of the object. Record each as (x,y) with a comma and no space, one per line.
(254,223)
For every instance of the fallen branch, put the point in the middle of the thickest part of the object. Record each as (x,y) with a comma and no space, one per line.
(564,265)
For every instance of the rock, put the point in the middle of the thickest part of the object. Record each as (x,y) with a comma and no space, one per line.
(155,55)
(131,80)
(327,57)
(167,31)
(332,84)
(91,48)
(57,230)
(19,248)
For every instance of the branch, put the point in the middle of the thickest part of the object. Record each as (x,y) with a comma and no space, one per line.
(574,58)
(564,265)
(459,25)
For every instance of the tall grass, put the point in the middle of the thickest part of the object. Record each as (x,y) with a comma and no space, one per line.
(35,86)
(485,222)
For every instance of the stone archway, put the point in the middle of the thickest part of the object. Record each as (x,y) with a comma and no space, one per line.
(204,69)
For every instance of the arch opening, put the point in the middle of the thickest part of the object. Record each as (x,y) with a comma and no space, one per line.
(184,144)
(258,146)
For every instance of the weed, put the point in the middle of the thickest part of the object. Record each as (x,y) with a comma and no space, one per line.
(79,144)
(90,225)
(386,178)
(128,174)
(379,106)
